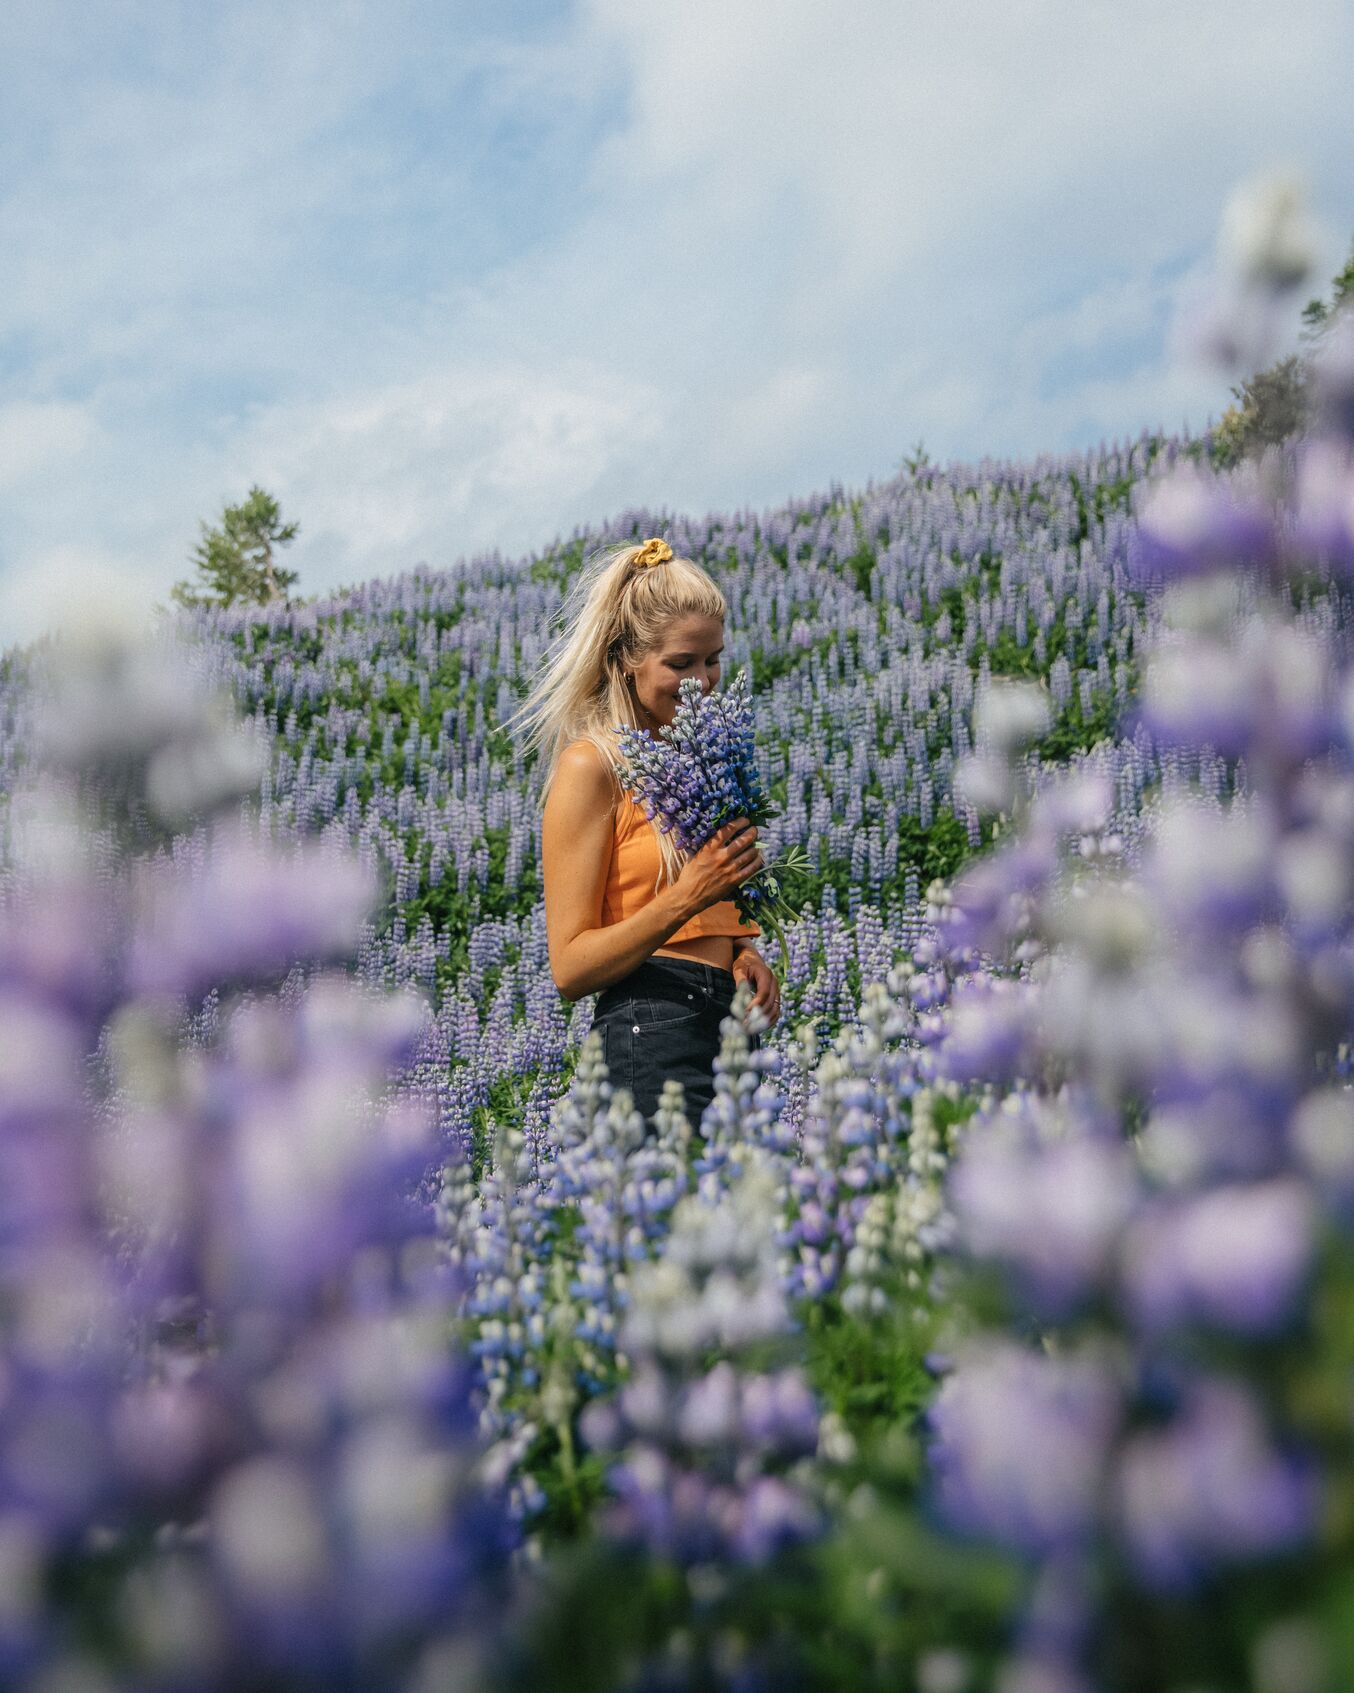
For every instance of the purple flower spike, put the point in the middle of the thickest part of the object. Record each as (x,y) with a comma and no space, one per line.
(1235,1258)
(697,774)
(1050,1213)
(1019,1444)
(1324,515)
(1192,523)
(1211,1489)
(226,1315)
(988,1035)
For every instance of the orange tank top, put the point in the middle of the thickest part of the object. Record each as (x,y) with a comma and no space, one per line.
(632,879)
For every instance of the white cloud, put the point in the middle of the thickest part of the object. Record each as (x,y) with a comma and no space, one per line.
(454,461)
(36,435)
(797,238)
(67,587)
(909,131)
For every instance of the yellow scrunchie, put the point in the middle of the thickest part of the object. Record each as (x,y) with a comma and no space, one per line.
(654,551)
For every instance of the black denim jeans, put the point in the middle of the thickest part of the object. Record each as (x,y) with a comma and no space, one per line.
(661,1021)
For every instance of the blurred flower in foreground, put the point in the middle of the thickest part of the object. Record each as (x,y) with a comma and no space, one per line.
(235,1448)
(1266,248)
(702,1450)
(1162,1198)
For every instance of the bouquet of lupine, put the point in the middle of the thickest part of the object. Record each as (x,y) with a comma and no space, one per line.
(697,774)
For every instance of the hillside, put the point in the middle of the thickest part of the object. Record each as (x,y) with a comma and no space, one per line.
(867,621)
(720,1375)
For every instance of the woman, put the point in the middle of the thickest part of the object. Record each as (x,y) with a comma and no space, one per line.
(658,939)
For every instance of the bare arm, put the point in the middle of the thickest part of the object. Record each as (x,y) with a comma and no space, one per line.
(576,835)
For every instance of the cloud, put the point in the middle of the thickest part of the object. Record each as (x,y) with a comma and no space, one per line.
(451,462)
(907,132)
(65,587)
(37,435)
(445,284)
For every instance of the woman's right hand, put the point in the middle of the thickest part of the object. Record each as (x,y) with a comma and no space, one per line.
(729,857)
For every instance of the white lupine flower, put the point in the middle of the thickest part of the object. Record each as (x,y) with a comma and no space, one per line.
(1267,236)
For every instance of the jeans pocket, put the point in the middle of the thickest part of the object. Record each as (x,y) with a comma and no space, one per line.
(667,1013)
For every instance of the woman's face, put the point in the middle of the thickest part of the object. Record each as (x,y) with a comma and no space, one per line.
(691,646)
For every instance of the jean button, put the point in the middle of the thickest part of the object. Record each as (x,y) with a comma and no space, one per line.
(635,1029)
(691,996)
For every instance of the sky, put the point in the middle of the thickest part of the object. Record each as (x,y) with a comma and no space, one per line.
(450,277)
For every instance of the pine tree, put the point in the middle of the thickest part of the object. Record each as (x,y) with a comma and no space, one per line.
(236,561)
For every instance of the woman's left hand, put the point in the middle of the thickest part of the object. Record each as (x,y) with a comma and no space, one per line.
(751,967)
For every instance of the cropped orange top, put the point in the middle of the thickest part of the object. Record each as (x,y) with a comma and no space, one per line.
(632,879)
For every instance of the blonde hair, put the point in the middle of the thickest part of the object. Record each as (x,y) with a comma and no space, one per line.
(617,611)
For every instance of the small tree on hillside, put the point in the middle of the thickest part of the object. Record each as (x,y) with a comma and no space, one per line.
(1317,316)
(236,562)
(1272,405)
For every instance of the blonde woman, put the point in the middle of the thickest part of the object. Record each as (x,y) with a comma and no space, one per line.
(655,937)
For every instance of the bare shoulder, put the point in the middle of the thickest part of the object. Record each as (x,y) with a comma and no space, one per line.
(582,777)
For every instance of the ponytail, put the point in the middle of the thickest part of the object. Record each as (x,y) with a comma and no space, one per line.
(617,611)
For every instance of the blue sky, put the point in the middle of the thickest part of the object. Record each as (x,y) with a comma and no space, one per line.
(450,277)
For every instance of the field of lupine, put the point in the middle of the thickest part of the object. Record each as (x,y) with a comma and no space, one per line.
(992,1330)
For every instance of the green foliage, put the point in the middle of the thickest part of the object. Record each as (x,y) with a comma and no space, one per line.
(870,1370)
(765,668)
(1273,405)
(1317,315)
(918,460)
(860,568)
(1077,731)
(235,559)
(859,1610)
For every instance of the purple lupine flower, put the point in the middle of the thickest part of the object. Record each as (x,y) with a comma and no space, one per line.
(225,1317)
(1194,523)
(699,772)
(1211,1488)
(703,1455)
(1020,1443)
(1234,1258)
(1199,987)
(1050,1212)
